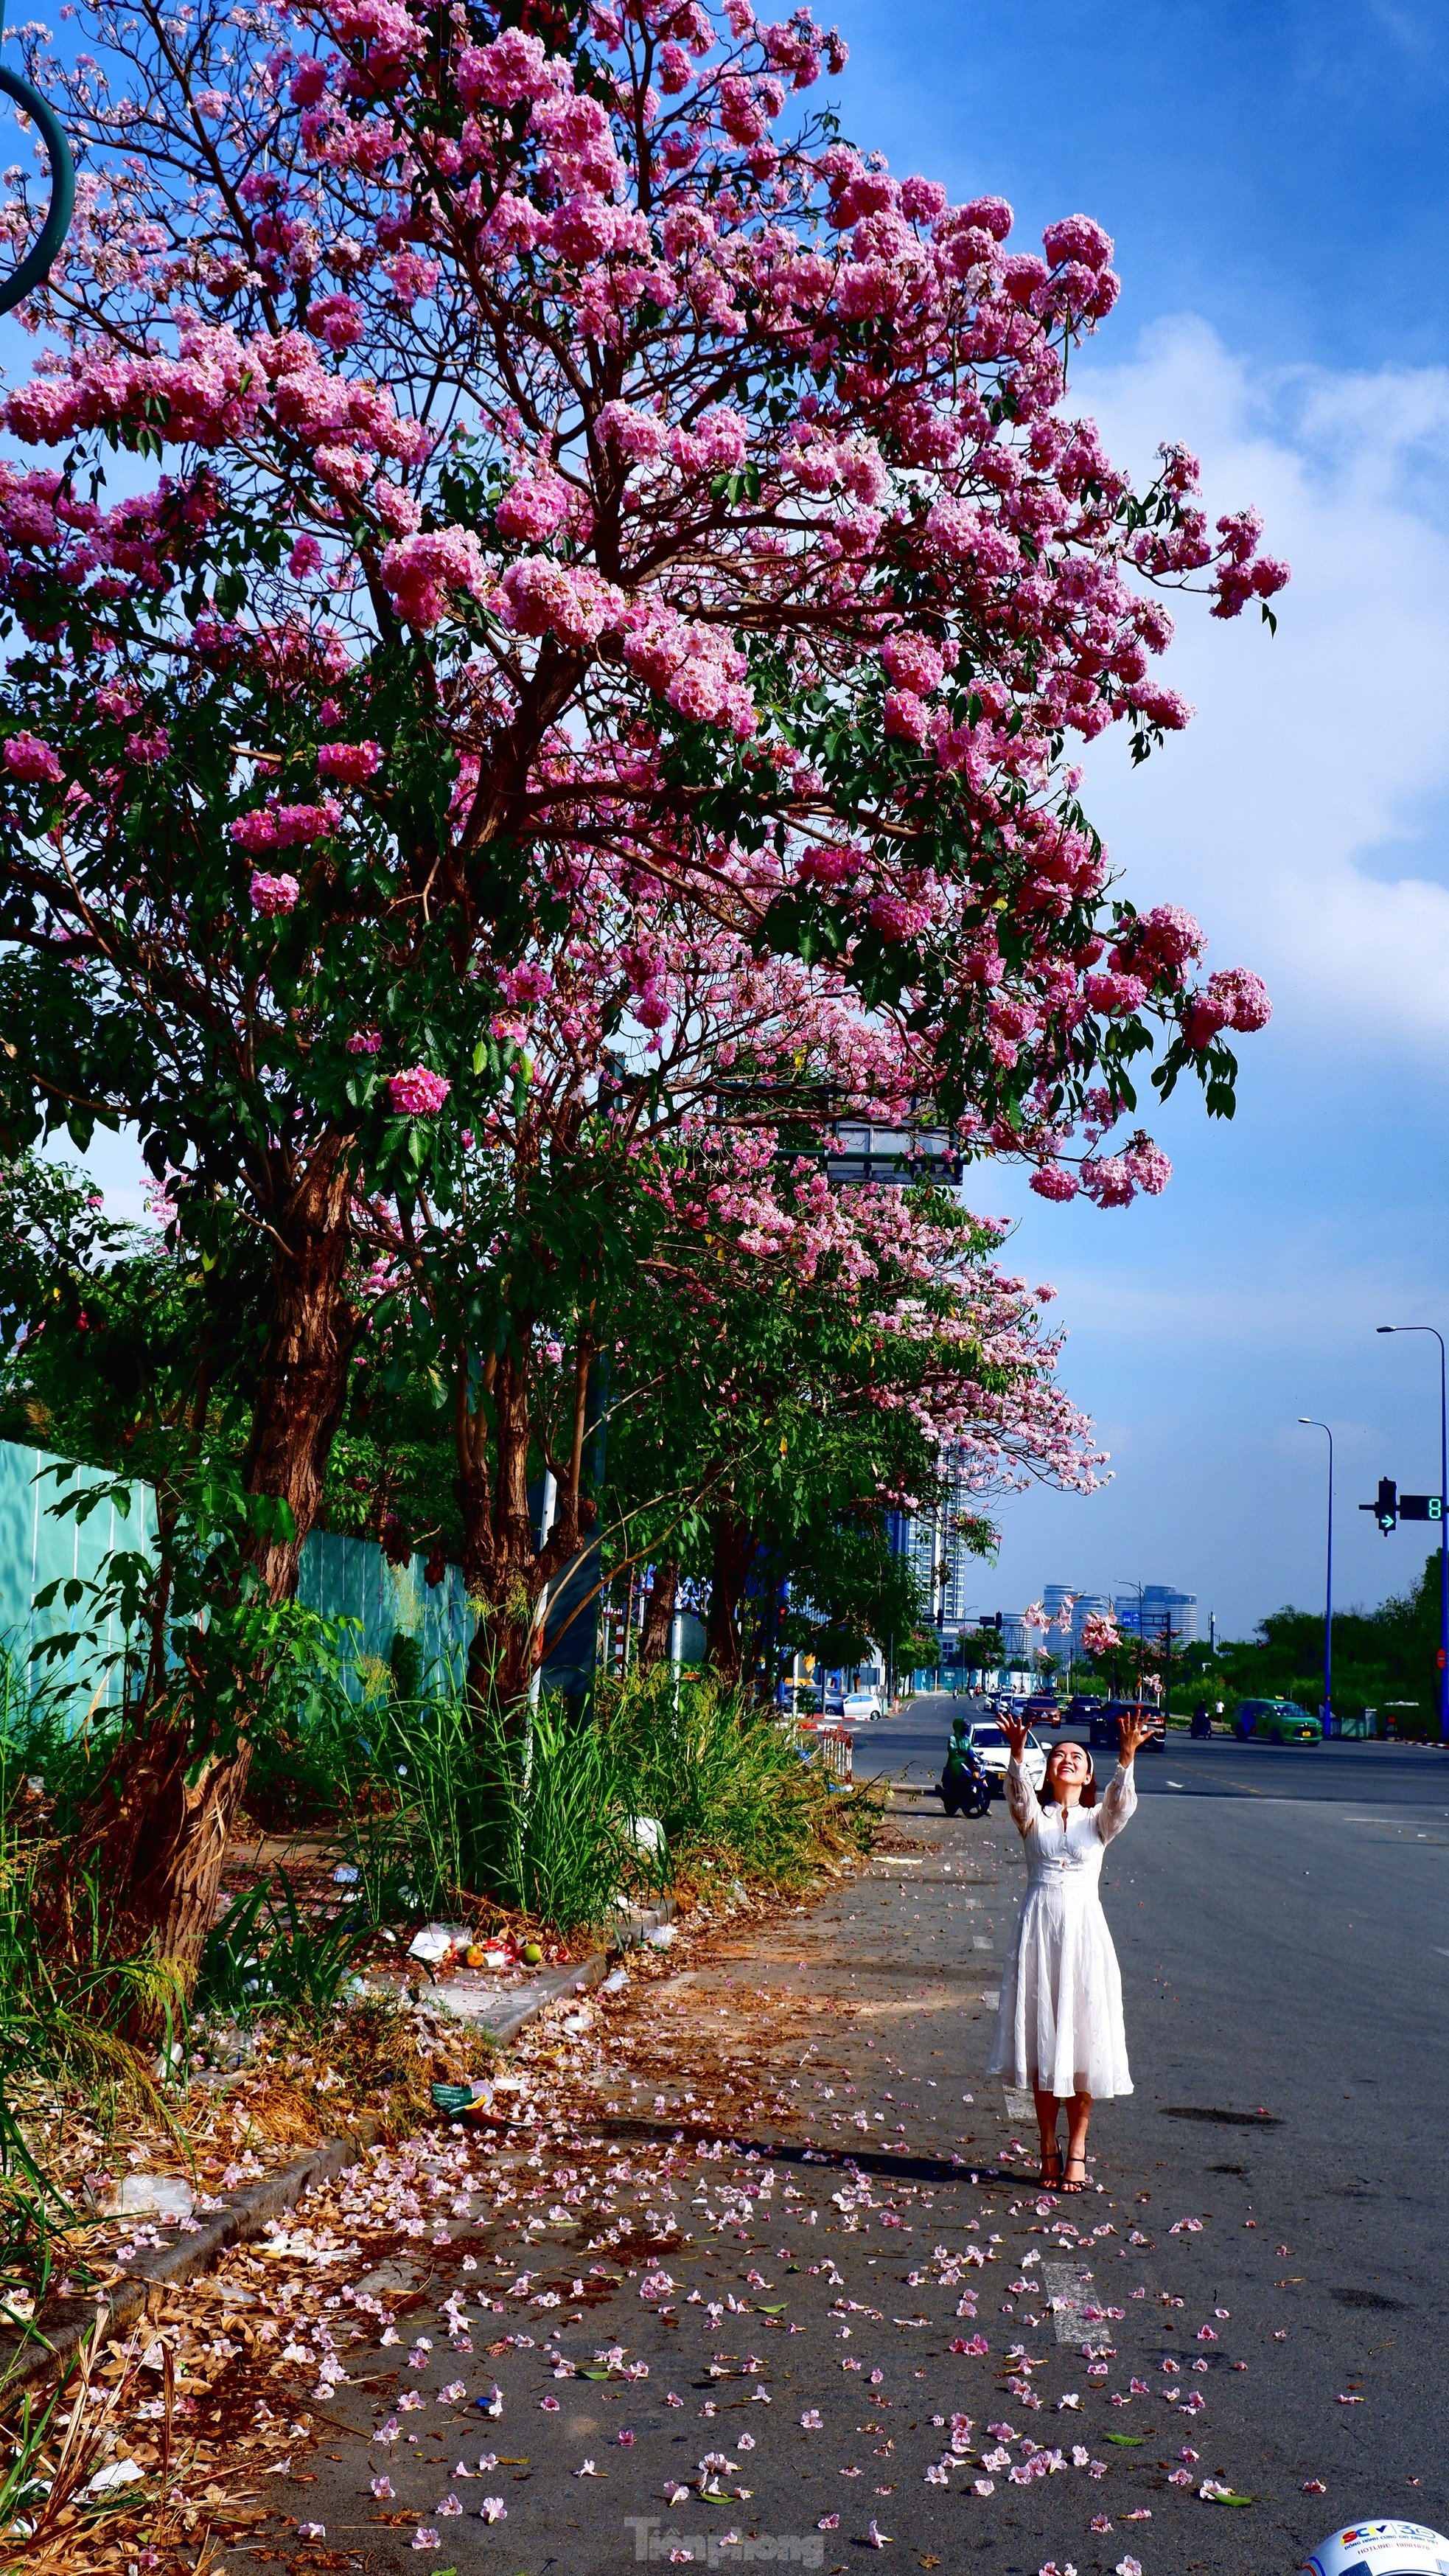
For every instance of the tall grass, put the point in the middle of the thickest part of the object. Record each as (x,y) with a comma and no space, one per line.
(728,1780)
(65,2004)
(446,1803)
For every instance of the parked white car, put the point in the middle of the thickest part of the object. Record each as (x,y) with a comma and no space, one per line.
(859,1707)
(990,1744)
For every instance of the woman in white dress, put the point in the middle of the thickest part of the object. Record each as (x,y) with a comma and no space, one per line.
(1059,2026)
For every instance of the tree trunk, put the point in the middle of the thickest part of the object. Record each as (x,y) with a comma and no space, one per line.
(507,1563)
(303,1389)
(734,1549)
(157,1836)
(503,1566)
(659,1614)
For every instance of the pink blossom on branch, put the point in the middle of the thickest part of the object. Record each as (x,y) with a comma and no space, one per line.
(283,827)
(349,764)
(271,895)
(1099,1633)
(1242,995)
(418,1093)
(27,757)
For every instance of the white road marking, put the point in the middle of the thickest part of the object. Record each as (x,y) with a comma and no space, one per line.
(1019,2106)
(992,1996)
(1069,2287)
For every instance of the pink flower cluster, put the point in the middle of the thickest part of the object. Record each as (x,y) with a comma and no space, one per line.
(914,662)
(422,574)
(527,984)
(571,601)
(27,757)
(273,894)
(285,827)
(1099,1633)
(534,508)
(695,668)
(349,764)
(1235,998)
(418,1093)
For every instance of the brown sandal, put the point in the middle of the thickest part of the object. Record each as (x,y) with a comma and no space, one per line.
(1051,2181)
(1074,2187)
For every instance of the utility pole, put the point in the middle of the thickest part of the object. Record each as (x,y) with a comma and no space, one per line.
(1443,1521)
(1311,1423)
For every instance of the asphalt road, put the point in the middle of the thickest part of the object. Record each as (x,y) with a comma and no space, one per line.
(1283,1927)
(911,1748)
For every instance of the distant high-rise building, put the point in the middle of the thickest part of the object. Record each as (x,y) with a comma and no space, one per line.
(1164,1612)
(950,1574)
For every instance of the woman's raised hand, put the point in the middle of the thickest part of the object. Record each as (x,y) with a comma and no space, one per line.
(1014,1730)
(1132,1731)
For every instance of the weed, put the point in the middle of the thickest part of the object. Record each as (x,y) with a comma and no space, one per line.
(727,1779)
(269,1953)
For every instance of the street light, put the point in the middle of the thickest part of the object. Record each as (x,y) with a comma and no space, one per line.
(1312,1424)
(1443,1523)
(38,260)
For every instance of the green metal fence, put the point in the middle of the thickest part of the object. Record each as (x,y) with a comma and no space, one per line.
(341,1577)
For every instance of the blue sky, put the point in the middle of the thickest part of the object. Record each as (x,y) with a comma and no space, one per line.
(1276,182)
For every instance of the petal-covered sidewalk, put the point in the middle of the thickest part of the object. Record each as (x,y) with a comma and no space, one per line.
(752,2271)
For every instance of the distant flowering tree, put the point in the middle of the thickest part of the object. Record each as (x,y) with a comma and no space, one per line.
(587,495)
(814,1357)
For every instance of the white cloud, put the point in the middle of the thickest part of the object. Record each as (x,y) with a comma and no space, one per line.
(1294,815)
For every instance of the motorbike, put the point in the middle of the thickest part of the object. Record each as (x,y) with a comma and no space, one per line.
(964,1788)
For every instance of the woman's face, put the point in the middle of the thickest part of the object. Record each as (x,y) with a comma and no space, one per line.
(1068,1770)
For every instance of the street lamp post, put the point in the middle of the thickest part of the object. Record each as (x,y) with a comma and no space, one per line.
(35,267)
(1312,1424)
(1443,1522)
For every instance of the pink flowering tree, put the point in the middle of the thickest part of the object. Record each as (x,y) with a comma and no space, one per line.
(553,460)
(639,1036)
(808,1359)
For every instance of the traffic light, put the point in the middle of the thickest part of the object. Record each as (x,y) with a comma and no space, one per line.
(1393,1507)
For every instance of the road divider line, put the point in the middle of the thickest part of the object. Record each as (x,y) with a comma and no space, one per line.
(1069,2287)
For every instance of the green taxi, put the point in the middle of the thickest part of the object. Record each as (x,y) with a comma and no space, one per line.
(1277,1721)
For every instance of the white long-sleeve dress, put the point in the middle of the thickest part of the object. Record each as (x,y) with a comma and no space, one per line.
(1059,2023)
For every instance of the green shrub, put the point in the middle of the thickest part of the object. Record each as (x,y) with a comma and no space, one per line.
(270,1954)
(727,1780)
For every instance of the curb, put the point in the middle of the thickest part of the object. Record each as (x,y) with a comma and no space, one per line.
(24,2358)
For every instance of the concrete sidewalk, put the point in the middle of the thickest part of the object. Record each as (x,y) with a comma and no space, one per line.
(728,2280)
